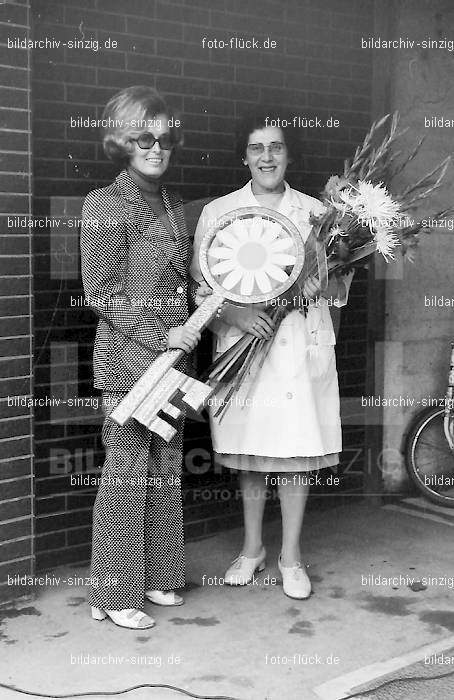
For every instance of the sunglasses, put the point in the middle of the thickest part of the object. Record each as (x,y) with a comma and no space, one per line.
(147,140)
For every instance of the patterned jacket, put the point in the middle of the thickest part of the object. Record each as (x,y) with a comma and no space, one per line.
(135,278)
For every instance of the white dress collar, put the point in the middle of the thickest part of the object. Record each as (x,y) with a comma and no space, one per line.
(288,202)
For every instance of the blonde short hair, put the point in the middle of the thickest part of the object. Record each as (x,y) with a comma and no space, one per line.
(128,114)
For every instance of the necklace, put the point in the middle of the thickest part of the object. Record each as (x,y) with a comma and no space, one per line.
(272,198)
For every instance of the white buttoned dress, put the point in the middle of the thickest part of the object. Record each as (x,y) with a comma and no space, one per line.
(290,419)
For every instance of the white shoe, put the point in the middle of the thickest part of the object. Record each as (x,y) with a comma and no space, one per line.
(131,617)
(164,598)
(295,581)
(242,569)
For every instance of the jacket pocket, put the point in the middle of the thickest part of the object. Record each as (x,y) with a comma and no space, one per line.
(321,357)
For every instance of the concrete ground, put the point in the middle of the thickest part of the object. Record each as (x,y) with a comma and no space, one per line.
(247,643)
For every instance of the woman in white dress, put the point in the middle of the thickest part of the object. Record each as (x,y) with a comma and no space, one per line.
(290,423)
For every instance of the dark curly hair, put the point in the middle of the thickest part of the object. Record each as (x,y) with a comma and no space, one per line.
(261,116)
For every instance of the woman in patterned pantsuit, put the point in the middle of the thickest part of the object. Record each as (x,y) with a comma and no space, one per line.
(134,249)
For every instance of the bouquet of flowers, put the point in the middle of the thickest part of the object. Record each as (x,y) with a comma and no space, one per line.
(360,219)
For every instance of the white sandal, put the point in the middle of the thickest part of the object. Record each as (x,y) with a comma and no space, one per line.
(131,617)
(164,598)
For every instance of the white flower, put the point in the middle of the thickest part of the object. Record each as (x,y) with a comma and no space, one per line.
(335,231)
(374,205)
(343,206)
(253,255)
(371,204)
(386,241)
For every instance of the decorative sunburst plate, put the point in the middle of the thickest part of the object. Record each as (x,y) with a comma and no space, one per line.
(251,255)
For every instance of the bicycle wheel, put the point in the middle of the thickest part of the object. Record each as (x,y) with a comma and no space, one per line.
(428,457)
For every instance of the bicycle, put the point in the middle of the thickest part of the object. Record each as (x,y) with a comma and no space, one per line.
(429,448)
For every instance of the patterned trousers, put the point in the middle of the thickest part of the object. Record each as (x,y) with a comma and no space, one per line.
(138,541)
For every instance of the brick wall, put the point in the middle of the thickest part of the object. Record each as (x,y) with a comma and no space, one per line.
(16,527)
(316,69)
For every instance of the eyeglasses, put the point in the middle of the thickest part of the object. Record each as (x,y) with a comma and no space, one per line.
(147,140)
(258,148)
